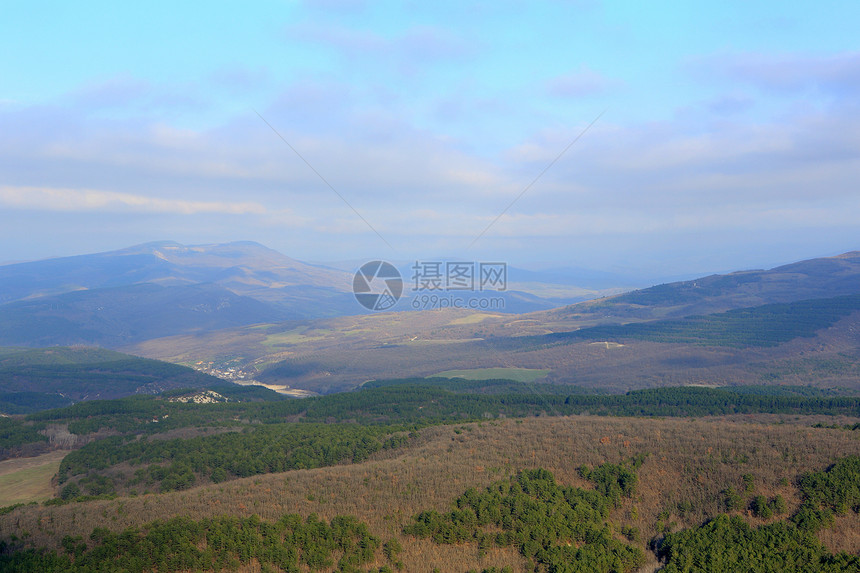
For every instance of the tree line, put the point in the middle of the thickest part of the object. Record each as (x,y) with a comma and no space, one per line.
(175,464)
(291,544)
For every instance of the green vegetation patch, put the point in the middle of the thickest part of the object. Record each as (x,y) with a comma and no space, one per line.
(177,464)
(291,338)
(760,326)
(561,528)
(223,543)
(14,432)
(731,544)
(836,489)
(12,403)
(33,379)
(516,374)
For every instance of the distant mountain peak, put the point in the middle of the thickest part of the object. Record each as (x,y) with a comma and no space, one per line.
(245,268)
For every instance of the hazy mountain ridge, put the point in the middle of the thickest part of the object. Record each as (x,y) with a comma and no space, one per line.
(161,289)
(123,315)
(736,348)
(172,317)
(240,266)
(814,278)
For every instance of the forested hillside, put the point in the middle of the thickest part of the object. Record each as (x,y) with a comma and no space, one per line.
(825,277)
(44,378)
(135,444)
(559,494)
(759,326)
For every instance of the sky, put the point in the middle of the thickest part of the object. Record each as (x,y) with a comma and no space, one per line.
(661,137)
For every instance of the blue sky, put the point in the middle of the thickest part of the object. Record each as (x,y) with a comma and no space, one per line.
(730,134)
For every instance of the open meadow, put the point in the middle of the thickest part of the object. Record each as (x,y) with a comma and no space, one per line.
(23,480)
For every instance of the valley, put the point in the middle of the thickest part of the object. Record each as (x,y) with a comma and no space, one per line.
(339,286)
(677,413)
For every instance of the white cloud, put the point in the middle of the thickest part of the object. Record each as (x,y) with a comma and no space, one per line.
(699,176)
(57,199)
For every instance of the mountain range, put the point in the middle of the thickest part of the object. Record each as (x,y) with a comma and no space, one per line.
(815,278)
(795,323)
(159,289)
(241,307)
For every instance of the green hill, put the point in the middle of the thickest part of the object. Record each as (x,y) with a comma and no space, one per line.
(37,379)
(121,315)
(767,325)
(825,277)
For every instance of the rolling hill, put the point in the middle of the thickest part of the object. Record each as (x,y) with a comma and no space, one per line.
(824,277)
(650,484)
(36,379)
(747,327)
(117,316)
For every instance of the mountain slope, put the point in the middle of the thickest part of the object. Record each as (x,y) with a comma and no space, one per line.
(161,289)
(245,268)
(825,277)
(116,316)
(34,379)
(429,473)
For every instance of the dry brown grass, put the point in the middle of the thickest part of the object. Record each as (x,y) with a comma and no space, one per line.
(23,480)
(689,460)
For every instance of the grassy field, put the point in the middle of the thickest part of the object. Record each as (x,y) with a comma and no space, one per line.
(475,318)
(290,338)
(24,480)
(518,374)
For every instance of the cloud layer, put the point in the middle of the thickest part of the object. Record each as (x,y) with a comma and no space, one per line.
(430,124)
